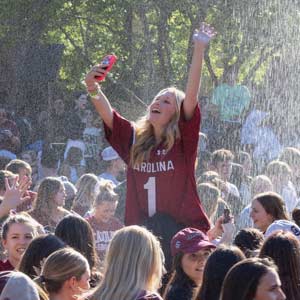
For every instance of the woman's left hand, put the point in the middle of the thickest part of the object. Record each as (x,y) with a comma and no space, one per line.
(204,34)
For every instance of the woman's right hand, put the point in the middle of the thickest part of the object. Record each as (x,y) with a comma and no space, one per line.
(90,78)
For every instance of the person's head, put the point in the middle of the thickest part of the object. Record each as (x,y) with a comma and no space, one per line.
(237,174)
(203,162)
(279,172)
(30,157)
(244,159)
(210,177)
(190,249)
(209,195)
(77,233)
(105,203)
(266,208)
(249,240)
(81,101)
(16,285)
(19,167)
(296,216)
(65,271)
(215,270)
(49,159)
(133,263)
(252,278)
(162,118)
(51,194)
(3,175)
(38,250)
(165,107)
(221,161)
(3,115)
(59,106)
(17,232)
(87,189)
(71,191)
(111,160)
(291,156)
(261,184)
(284,249)
(74,156)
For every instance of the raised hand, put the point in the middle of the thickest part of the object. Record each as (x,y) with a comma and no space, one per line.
(13,195)
(204,34)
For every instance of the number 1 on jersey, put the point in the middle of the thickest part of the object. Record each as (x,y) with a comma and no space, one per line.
(151,187)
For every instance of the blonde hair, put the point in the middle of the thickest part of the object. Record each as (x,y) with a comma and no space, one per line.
(46,193)
(133,263)
(291,156)
(60,266)
(144,134)
(106,193)
(85,194)
(276,167)
(20,218)
(261,184)
(209,195)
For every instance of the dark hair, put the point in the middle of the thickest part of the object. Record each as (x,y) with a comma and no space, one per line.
(77,233)
(49,158)
(39,248)
(16,165)
(273,204)
(243,278)
(215,270)
(249,240)
(296,215)
(284,249)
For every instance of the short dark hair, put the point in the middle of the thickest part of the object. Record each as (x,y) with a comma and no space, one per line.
(249,240)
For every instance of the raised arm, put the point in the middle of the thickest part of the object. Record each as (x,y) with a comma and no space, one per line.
(99,100)
(201,39)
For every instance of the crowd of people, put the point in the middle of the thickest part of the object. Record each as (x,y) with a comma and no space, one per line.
(158,211)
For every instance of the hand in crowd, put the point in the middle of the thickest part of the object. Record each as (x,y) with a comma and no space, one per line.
(204,34)
(13,195)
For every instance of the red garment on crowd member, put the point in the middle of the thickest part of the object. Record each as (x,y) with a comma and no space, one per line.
(103,233)
(6,266)
(167,180)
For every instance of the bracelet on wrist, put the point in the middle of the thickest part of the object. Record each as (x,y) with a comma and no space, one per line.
(94,92)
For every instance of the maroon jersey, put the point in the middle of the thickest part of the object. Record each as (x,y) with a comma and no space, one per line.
(6,266)
(103,233)
(166,183)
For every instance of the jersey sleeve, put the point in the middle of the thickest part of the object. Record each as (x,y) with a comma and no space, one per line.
(121,136)
(189,131)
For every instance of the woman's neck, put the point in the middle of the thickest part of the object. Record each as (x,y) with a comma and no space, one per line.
(61,296)
(13,262)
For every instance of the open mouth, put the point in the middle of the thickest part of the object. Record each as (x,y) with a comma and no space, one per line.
(21,250)
(155,111)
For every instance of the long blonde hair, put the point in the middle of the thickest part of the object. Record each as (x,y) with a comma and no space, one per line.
(133,263)
(144,133)
(86,193)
